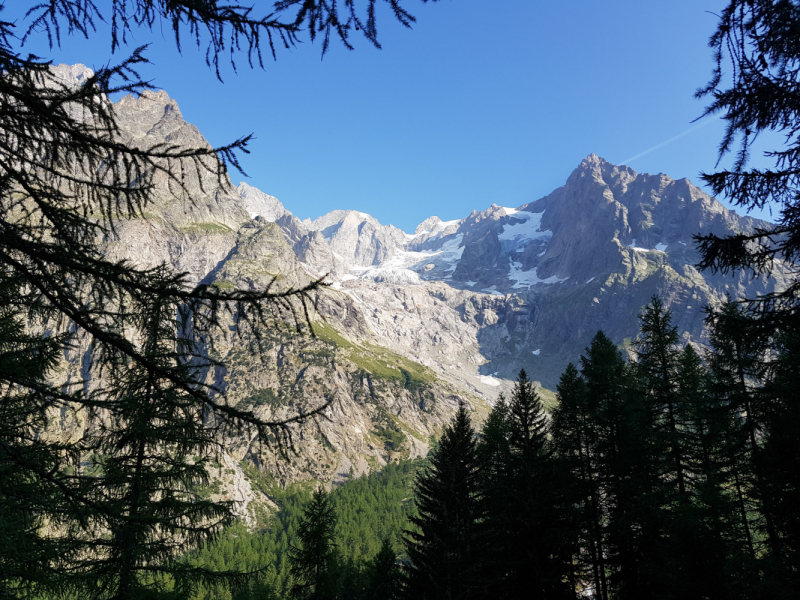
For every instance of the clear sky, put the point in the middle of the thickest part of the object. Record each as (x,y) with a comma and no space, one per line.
(484,101)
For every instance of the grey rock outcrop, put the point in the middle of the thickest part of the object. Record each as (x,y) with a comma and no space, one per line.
(359,238)
(259,204)
(191,220)
(207,229)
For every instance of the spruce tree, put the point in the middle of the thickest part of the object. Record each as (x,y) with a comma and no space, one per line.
(656,366)
(314,561)
(603,371)
(687,559)
(624,467)
(575,439)
(738,365)
(383,575)
(527,509)
(444,546)
(493,453)
(781,459)
(707,557)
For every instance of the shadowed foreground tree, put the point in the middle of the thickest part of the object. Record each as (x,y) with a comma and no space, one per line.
(526,533)
(755,86)
(757,41)
(25,498)
(383,575)
(575,441)
(314,561)
(104,514)
(445,548)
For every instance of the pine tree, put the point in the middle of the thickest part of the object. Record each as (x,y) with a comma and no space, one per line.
(445,547)
(756,41)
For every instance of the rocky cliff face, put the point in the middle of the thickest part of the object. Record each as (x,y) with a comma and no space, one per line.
(413,324)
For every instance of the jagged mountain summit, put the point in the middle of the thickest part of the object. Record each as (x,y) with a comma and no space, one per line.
(507,288)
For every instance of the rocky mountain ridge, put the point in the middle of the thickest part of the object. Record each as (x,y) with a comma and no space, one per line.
(507,288)
(413,324)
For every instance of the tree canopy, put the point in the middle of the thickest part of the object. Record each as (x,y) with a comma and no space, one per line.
(754,87)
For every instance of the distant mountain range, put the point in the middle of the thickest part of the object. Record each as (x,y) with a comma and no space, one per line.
(507,288)
(412,324)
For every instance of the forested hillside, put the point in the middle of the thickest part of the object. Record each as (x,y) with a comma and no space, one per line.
(368,511)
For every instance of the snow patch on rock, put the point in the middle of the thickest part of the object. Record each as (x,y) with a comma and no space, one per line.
(526,226)
(529,278)
(659,247)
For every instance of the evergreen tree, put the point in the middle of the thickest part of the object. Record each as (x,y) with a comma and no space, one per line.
(527,507)
(756,40)
(689,558)
(34,470)
(576,445)
(493,446)
(445,547)
(737,363)
(708,557)
(781,459)
(606,421)
(624,468)
(383,575)
(656,366)
(152,452)
(314,561)
(494,453)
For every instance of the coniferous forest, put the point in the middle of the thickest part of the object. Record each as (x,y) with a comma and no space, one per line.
(675,474)
(672,475)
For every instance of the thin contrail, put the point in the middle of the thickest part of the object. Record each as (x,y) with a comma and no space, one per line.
(670,140)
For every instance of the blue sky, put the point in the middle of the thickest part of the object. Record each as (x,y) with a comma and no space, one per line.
(484,101)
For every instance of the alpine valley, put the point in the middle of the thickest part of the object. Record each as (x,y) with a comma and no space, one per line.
(414,323)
